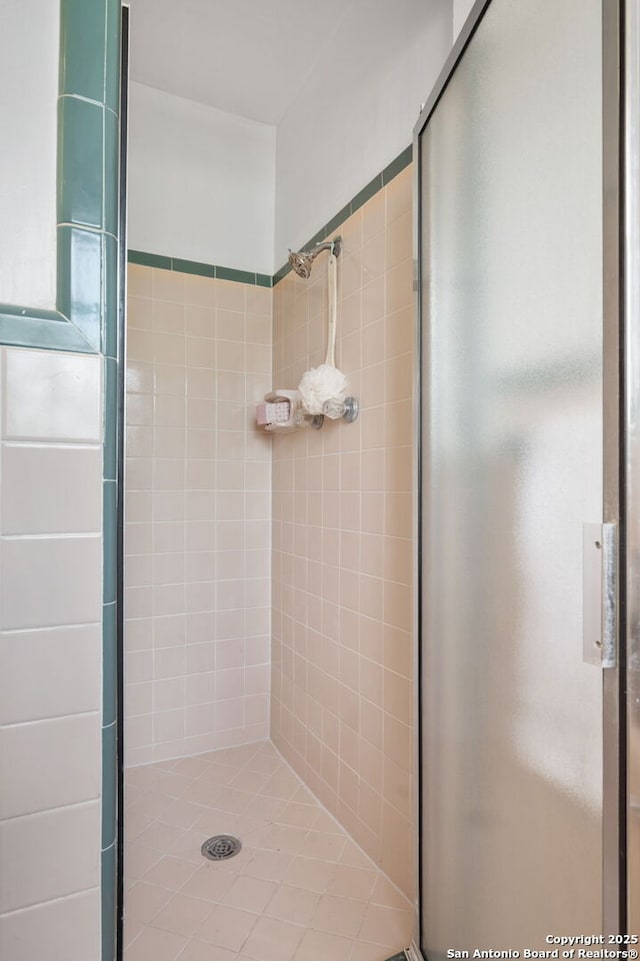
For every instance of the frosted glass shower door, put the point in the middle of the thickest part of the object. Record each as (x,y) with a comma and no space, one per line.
(512,333)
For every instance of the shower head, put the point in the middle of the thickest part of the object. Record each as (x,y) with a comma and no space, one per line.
(302,260)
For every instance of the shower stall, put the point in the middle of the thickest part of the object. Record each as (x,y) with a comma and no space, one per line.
(268,728)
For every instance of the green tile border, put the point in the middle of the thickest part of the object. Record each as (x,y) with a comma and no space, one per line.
(109,527)
(80,152)
(82,35)
(397,166)
(199,269)
(109,657)
(86,178)
(150,260)
(109,785)
(264,280)
(110,453)
(80,256)
(21,327)
(108,871)
(192,267)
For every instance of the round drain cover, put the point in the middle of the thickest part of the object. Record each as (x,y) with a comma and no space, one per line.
(221,847)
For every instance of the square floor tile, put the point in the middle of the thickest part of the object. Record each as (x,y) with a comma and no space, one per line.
(154,945)
(201,951)
(227,927)
(145,900)
(273,940)
(318,946)
(182,915)
(293,904)
(208,883)
(250,894)
(339,916)
(170,873)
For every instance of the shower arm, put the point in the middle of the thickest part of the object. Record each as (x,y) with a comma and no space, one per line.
(302,260)
(334,246)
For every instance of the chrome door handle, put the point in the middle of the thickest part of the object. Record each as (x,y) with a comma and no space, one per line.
(599,594)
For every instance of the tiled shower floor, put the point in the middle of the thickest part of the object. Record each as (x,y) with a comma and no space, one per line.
(300,889)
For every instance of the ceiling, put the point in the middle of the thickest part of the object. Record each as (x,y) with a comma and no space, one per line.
(247,57)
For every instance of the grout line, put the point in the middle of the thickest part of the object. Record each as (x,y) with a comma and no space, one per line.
(51,627)
(38,904)
(96,712)
(54,535)
(58,807)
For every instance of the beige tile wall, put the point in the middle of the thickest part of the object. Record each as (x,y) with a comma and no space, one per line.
(342,539)
(50,653)
(198,505)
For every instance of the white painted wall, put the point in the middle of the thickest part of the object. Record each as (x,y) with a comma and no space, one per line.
(201,182)
(356,113)
(461,9)
(29,43)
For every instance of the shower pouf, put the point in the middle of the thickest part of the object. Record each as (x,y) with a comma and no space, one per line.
(319,385)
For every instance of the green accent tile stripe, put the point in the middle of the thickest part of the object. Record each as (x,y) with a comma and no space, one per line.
(110,518)
(280,274)
(110,461)
(338,219)
(200,269)
(397,166)
(239,276)
(110,300)
(109,785)
(264,280)
(109,920)
(79,281)
(398,957)
(80,152)
(109,660)
(82,35)
(149,260)
(367,193)
(49,333)
(193,267)
(111,184)
(113,15)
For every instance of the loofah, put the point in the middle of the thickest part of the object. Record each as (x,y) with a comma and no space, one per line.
(319,385)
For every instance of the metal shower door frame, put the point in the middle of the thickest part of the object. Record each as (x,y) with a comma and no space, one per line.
(621,424)
(630,261)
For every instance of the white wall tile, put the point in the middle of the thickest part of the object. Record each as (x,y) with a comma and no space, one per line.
(49,673)
(49,855)
(62,930)
(48,490)
(50,395)
(50,581)
(49,764)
